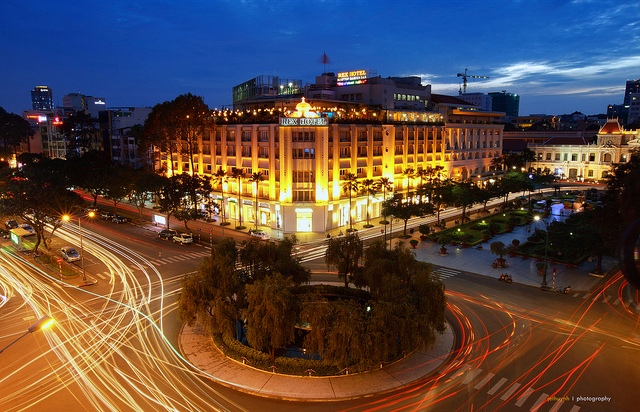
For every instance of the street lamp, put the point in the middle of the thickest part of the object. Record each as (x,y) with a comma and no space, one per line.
(42,323)
(67,218)
(546,247)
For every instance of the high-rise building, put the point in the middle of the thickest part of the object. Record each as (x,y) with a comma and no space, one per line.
(79,102)
(482,100)
(508,103)
(632,86)
(42,98)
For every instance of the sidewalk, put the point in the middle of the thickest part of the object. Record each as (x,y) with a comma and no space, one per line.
(201,352)
(523,270)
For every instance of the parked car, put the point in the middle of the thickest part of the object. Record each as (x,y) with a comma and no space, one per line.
(11,224)
(5,233)
(183,238)
(167,234)
(259,234)
(27,227)
(69,253)
(119,219)
(108,215)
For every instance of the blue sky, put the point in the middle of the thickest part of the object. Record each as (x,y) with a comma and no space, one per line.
(559,56)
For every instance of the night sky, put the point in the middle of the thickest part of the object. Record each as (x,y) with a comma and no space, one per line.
(559,56)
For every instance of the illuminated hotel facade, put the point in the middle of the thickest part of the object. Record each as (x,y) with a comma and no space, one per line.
(304,156)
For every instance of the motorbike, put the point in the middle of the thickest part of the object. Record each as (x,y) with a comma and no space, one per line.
(505,278)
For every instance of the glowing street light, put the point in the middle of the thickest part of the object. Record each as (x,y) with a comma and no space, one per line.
(67,218)
(42,323)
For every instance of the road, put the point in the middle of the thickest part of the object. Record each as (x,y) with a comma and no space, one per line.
(115,344)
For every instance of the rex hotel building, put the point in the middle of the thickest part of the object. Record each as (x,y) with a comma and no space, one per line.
(305,140)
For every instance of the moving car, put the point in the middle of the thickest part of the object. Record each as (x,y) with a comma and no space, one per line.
(183,238)
(108,215)
(11,224)
(259,234)
(119,219)
(167,234)
(70,254)
(28,228)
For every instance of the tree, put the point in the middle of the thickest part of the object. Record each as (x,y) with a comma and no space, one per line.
(239,175)
(188,116)
(344,253)
(465,194)
(117,185)
(195,191)
(143,186)
(499,249)
(260,259)
(221,178)
(81,132)
(14,130)
(409,174)
(215,294)
(368,187)
(402,210)
(271,313)
(95,168)
(38,193)
(384,184)
(350,186)
(256,178)
(157,132)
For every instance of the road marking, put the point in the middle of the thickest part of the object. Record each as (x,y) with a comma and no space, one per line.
(575,295)
(575,408)
(628,303)
(556,406)
(606,298)
(617,302)
(524,396)
(510,392)
(102,276)
(497,386)
(445,273)
(586,296)
(484,381)
(471,376)
(542,399)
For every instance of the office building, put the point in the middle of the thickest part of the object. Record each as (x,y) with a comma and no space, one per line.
(509,103)
(80,102)
(42,99)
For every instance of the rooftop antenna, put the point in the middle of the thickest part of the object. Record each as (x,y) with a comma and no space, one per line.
(325,61)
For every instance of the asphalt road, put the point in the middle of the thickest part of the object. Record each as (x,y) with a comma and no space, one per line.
(115,343)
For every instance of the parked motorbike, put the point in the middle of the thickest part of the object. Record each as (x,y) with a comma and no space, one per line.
(505,278)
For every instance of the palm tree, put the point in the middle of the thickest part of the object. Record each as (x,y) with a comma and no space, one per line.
(368,187)
(385,185)
(421,174)
(256,178)
(221,178)
(497,163)
(409,173)
(349,186)
(238,174)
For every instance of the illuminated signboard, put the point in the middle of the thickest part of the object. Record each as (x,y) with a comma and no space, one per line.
(352,77)
(57,121)
(304,121)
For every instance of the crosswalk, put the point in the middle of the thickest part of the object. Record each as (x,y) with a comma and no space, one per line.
(179,258)
(608,299)
(523,398)
(445,273)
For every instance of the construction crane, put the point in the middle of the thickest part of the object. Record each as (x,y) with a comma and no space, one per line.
(466,76)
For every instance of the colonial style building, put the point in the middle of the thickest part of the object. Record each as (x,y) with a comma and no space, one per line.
(581,160)
(304,155)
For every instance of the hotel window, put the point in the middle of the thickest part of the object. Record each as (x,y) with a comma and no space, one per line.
(303,154)
(246,151)
(302,176)
(231,150)
(362,151)
(377,150)
(548,157)
(231,135)
(246,135)
(377,136)
(263,152)
(557,156)
(566,157)
(345,152)
(574,157)
(304,195)
(263,136)
(592,157)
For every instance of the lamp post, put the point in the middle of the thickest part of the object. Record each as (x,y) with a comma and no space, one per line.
(67,218)
(546,247)
(42,323)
